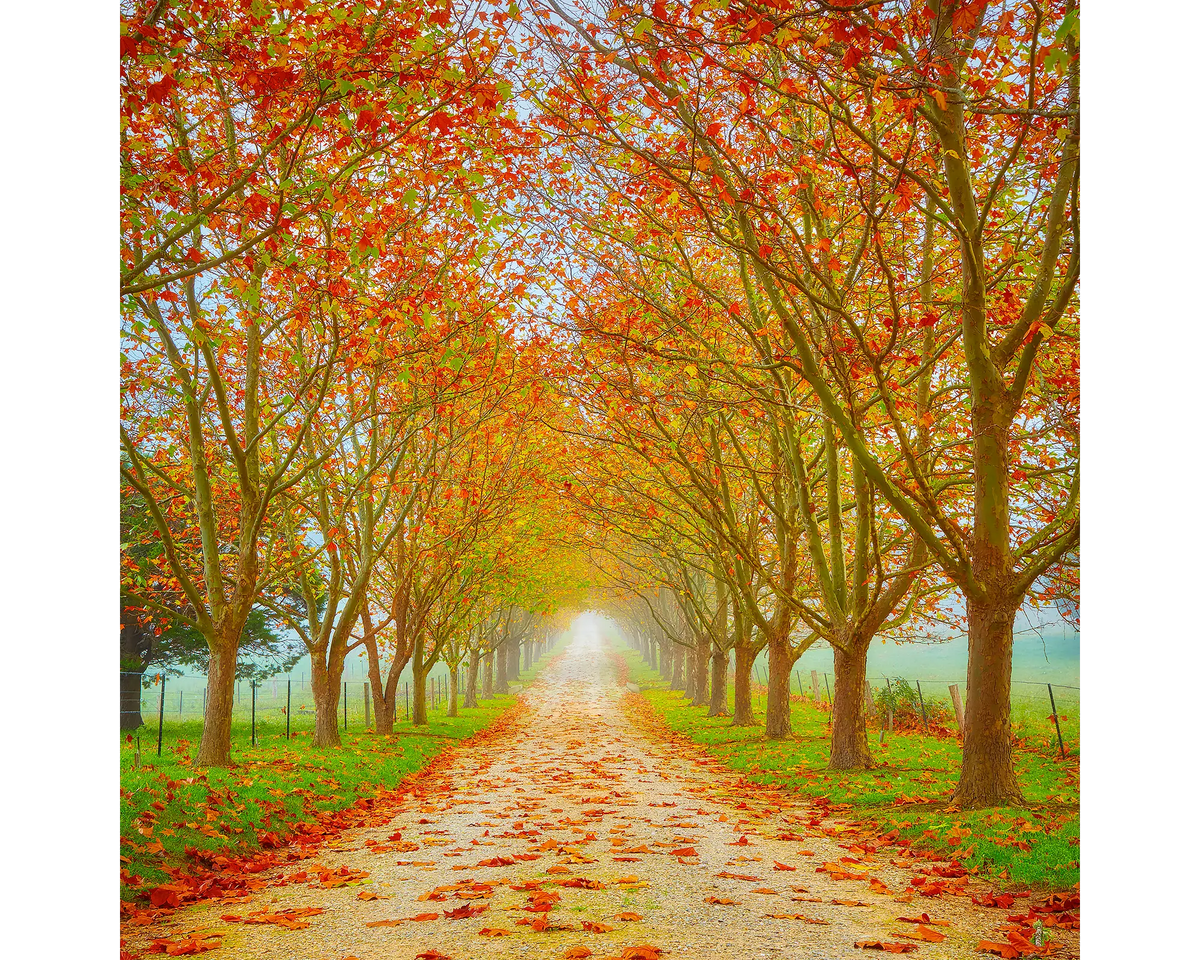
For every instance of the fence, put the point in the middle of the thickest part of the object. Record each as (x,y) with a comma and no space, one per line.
(277,706)
(1038,708)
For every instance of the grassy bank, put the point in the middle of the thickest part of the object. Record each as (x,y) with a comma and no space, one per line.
(909,790)
(167,806)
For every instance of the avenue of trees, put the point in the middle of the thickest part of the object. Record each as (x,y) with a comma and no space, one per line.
(758,321)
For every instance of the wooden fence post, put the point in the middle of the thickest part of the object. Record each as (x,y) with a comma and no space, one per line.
(367,702)
(958,707)
(868,698)
(816,687)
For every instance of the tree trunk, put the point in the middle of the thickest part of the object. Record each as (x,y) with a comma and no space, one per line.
(514,661)
(987,778)
(653,654)
(528,655)
(689,687)
(743,665)
(718,701)
(702,652)
(779,692)
(677,666)
(502,671)
(665,651)
(850,748)
(452,705)
(215,741)
(383,709)
(131,700)
(420,675)
(471,699)
(326,689)
(489,660)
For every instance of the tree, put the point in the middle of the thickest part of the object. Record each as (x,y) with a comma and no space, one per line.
(854,129)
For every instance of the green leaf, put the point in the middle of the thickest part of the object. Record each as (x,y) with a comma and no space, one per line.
(642,26)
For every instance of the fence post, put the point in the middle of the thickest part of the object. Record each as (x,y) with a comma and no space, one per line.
(180,704)
(345,704)
(816,688)
(288,712)
(367,702)
(253,714)
(1054,710)
(958,707)
(827,693)
(921,697)
(206,703)
(406,701)
(799,685)
(162,703)
(868,697)
(888,681)
(239,691)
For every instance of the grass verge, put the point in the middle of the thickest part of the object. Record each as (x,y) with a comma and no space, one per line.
(171,810)
(909,790)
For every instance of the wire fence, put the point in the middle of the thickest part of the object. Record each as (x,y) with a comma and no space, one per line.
(281,705)
(1047,712)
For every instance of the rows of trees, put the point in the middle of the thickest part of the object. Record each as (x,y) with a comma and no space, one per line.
(762,317)
(332,414)
(826,290)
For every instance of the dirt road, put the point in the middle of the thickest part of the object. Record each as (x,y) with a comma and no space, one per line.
(582,816)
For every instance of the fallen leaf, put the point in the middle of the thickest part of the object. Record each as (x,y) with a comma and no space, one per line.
(886,947)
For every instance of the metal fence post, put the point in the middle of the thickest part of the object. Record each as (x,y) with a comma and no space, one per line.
(1054,710)
(827,693)
(345,704)
(366,704)
(288,712)
(162,703)
(180,704)
(253,714)
(921,697)
(406,701)
(888,681)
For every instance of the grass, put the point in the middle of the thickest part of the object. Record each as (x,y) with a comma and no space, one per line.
(1036,847)
(167,805)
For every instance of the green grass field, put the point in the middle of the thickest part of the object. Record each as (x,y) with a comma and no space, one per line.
(167,805)
(1034,847)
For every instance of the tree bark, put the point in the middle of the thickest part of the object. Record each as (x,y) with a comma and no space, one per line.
(689,686)
(471,698)
(743,709)
(515,660)
(718,701)
(489,660)
(452,706)
(327,690)
(131,700)
(420,717)
(779,705)
(501,670)
(215,741)
(702,653)
(528,654)
(850,747)
(676,665)
(987,777)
